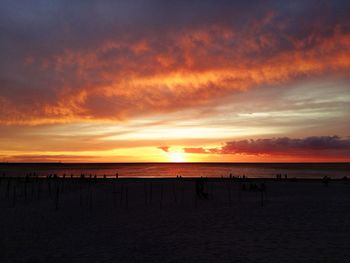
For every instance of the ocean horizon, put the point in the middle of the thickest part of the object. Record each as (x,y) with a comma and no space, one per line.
(158,170)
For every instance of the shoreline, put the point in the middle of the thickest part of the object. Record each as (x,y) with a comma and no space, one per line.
(187,178)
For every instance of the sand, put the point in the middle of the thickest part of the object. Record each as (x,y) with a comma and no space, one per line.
(121,221)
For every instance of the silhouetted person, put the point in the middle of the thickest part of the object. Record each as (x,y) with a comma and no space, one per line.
(262,190)
(325,180)
(200,188)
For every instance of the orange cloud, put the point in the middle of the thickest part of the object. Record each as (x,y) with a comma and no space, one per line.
(124,77)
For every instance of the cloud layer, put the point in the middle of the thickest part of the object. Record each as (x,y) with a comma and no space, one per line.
(115,60)
(87,79)
(322,146)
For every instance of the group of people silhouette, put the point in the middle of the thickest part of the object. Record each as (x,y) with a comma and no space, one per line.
(279,176)
(200,188)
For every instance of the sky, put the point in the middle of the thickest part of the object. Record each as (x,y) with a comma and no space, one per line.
(174,81)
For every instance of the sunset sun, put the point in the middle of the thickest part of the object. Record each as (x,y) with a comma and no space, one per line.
(176,157)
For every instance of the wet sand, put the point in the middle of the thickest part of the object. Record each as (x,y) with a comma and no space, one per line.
(161,220)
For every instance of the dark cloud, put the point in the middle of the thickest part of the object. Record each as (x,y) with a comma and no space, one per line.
(332,146)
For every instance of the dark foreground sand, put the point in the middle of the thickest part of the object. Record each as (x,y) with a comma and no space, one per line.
(121,221)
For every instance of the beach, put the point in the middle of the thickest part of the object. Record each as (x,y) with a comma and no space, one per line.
(163,220)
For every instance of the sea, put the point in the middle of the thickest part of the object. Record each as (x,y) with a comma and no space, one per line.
(168,170)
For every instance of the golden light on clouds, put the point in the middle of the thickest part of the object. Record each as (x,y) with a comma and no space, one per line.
(126,85)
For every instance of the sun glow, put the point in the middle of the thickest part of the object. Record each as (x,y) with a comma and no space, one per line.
(176,157)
